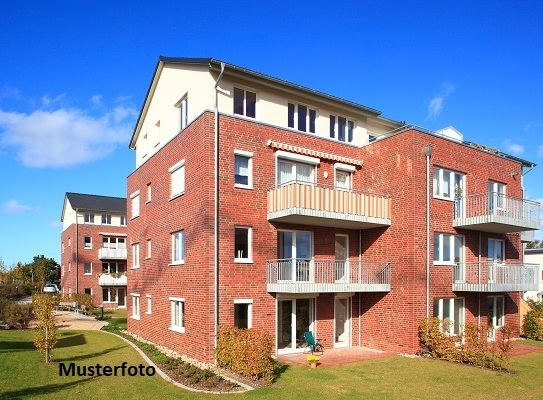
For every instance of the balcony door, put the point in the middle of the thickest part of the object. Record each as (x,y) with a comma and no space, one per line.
(294,317)
(295,251)
(496,194)
(496,316)
(341,260)
(342,321)
(496,256)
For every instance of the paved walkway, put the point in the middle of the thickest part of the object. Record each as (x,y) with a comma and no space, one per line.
(75,321)
(338,356)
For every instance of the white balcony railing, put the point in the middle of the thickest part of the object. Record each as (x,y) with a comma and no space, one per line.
(325,276)
(493,212)
(115,279)
(494,276)
(312,204)
(105,253)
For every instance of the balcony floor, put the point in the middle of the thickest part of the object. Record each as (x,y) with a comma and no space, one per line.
(494,224)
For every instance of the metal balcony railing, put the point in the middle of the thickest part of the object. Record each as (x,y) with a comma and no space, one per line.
(312,204)
(494,212)
(105,253)
(323,276)
(495,276)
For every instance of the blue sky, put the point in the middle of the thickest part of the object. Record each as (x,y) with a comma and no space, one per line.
(73,77)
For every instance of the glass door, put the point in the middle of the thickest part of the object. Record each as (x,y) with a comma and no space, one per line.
(496,317)
(121,297)
(496,255)
(342,323)
(342,254)
(294,317)
(295,251)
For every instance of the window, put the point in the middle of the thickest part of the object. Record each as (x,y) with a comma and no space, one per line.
(88,242)
(113,242)
(448,249)
(243,169)
(88,291)
(242,244)
(63,270)
(108,295)
(135,306)
(183,106)
(136,255)
(106,219)
(178,314)
(148,249)
(451,312)
(148,192)
(496,250)
(87,268)
(243,313)
(177,179)
(69,267)
(244,102)
(496,193)
(301,117)
(113,268)
(89,218)
(343,176)
(295,168)
(62,247)
(178,247)
(69,242)
(123,220)
(341,129)
(135,204)
(148,304)
(448,184)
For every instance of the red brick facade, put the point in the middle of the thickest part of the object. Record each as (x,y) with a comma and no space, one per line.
(394,166)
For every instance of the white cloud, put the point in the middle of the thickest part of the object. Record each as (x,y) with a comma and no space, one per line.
(13,207)
(96,99)
(513,148)
(437,103)
(64,137)
(55,224)
(48,101)
(540,150)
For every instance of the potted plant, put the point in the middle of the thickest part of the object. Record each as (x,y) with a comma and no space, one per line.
(313,361)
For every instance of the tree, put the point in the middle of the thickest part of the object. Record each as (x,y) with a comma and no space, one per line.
(44,270)
(4,272)
(46,331)
(536,244)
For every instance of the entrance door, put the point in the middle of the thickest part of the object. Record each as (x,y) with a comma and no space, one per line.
(342,254)
(121,297)
(294,317)
(496,317)
(342,317)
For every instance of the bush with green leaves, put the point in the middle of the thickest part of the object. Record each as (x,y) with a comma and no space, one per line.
(533,321)
(18,315)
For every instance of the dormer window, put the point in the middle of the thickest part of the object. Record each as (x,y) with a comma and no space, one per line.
(341,129)
(301,117)
(244,102)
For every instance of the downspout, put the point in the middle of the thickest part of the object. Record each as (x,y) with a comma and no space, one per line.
(428,152)
(359,293)
(479,280)
(76,251)
(216,211)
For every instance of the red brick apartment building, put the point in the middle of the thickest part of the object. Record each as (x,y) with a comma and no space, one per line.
(93,248)
(260,203)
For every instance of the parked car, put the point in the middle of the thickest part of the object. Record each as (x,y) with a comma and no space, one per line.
(50,288)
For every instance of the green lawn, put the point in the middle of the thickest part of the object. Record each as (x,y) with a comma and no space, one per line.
(23,375)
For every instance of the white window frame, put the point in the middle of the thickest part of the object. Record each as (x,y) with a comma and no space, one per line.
(335,131)
(249,258)
(249,156)
(85,242)
(84,265)
(135,306)
(177,179)
(178,259)
(105,218)
(148,193)
(149,300)
(135,201)
(307,117)
(69,267)
(183,105)
(497,195)
(345,169)
(295,159)
(181,316)
(88,218)
(245,90)
(113,270)
(439,184)
(249,303)
(441,237)
(123,220)
(462,321)
(135,256)
(148,249)
(113,242)
(497,321)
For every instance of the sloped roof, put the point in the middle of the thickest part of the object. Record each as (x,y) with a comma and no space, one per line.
(97,203)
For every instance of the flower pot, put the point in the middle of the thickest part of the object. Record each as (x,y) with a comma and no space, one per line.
(313,365)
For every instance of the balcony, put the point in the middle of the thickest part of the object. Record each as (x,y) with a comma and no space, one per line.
(527,236)
(105,253)
(491,276)
(327,276)
(115,279)
(496,213)
(309,204)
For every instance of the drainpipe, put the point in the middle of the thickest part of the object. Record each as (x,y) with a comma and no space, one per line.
(216,210)
(76,250)
(479,280)
(428,152)
(359,293)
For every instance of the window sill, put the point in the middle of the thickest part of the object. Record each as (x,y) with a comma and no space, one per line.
(148,201)
(176,196)
(147,258)
(134,217)
(443,198)
(173,264)
(177,329)
(148,313)
(137,317)
(243,261)
(138,267)
(88,274)
(240,186)
(444,263)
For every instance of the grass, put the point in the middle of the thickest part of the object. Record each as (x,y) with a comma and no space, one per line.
(25,376)
(115,318)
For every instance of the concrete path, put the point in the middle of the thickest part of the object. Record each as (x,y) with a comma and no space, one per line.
(75,321)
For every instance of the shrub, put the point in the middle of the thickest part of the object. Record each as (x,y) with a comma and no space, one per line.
(82,299)
(533,321)
(245,351)
(15,289)
(18,315)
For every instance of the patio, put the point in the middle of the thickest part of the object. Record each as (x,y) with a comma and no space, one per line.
(337,356)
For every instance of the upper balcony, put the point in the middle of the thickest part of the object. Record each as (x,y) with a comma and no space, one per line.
(327,276)
(105,253)
(114,279)
(311,204)
(493,276)
(496,213)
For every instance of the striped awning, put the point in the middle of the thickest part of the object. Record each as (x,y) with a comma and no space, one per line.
(113,234)
(314,153)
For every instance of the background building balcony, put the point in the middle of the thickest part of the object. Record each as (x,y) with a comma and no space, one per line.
(327,276)
(115,279)
(111,254)
(493,212)
(310,204)
(491,276)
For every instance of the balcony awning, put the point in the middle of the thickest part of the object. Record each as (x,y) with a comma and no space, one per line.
(113,234)
(314,153)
